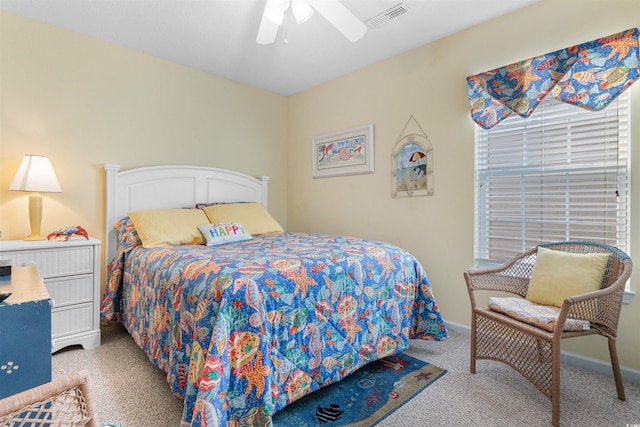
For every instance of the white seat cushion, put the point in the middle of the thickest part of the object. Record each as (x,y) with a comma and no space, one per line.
(541,316)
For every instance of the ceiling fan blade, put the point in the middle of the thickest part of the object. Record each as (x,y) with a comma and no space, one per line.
(267,32)
(341,18)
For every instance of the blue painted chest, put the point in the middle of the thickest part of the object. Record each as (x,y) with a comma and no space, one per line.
(25,332)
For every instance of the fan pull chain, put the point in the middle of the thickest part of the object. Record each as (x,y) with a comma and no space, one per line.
(284,27)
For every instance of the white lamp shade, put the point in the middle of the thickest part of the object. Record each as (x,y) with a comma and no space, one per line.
(35,174)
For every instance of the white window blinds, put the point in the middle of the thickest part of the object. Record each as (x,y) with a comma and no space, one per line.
(561,174)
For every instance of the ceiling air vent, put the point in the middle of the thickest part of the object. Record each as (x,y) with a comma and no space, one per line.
(384,17)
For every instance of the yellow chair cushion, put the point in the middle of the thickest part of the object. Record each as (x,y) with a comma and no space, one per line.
(558,275)
(169,227)
(255,218)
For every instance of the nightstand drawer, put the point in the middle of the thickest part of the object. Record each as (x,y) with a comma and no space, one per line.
(60,261)
(71,320)
(70,290)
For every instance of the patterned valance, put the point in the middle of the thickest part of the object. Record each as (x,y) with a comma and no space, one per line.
(589,75)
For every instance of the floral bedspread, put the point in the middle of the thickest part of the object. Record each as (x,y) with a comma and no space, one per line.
(245,328)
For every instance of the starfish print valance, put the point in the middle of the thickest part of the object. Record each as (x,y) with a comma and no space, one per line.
(589,75)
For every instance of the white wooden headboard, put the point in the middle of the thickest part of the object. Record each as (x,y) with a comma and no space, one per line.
(173,186)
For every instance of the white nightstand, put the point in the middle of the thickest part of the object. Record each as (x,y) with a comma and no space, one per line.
(71,273)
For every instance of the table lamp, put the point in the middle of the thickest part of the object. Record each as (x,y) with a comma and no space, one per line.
(35,174)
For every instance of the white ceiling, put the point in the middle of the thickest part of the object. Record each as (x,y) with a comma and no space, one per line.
(218,36)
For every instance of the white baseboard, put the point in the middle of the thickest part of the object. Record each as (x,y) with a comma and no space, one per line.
(458,327)
(588,363)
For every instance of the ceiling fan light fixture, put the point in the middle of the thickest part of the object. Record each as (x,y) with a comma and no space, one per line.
(302,11)
(275,9)
(332,10)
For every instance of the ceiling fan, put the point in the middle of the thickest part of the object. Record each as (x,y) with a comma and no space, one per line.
(332,10)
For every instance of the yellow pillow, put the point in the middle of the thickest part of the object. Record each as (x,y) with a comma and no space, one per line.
(557,275)
(167,227)
(255,218)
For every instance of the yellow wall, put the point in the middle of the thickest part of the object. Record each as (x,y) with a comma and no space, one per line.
(429,82)
(84,103)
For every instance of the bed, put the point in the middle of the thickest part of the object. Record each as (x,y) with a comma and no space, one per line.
(242,329)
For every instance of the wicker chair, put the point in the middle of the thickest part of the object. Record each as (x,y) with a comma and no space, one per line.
(530,350)
(63,402)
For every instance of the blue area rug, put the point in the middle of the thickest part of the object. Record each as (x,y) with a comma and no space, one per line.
(365,397)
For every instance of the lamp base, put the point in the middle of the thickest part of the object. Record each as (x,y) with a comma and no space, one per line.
(35,216)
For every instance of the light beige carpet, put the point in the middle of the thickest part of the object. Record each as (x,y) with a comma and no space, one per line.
(131,392)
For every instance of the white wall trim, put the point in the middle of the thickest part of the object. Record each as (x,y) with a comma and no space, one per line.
(588,363)
(628,296)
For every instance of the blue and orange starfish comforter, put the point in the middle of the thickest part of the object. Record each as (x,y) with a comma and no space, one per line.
(245,328)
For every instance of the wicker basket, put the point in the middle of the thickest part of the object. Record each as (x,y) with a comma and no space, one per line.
(63,402)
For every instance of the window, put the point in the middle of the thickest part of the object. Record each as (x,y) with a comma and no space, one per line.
(561,174)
